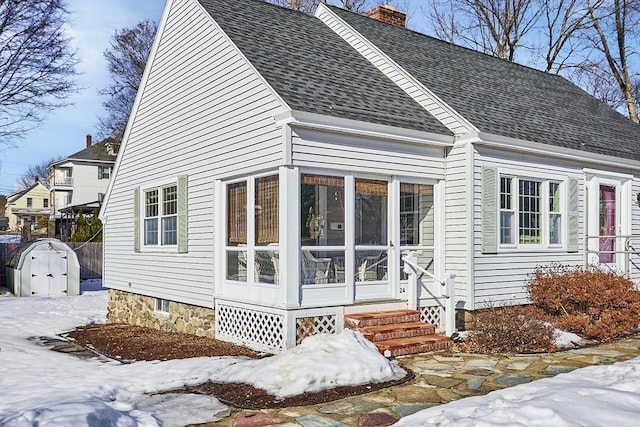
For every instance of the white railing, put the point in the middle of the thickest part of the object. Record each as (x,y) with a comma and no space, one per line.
(63,181)
(627,246)
(446,298)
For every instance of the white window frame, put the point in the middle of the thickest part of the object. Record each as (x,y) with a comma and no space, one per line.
(159,187)
(102,170)
(161,306)
(544,212)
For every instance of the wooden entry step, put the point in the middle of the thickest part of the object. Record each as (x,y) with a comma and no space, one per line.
(397,332)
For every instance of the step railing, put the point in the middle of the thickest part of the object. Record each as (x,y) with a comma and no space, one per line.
(627,246)
(446,298)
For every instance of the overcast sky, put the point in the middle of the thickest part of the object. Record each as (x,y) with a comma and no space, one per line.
(93,23)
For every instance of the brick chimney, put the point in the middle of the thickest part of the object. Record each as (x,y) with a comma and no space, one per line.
(88,140)
(388,14)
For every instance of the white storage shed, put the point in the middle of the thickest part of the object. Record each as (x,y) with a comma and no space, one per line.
(43,267)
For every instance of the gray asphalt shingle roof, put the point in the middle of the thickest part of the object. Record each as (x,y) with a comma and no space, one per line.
(97,151)
(313,69)
(504,98)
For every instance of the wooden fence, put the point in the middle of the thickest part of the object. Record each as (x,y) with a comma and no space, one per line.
(89,256)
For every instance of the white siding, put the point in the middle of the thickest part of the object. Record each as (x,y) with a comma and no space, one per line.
(322,150)
(86,184)
(203,112)
(634,259)
(501,277)
(456,220)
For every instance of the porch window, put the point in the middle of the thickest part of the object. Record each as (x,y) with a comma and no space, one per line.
(322,229)
(253,215)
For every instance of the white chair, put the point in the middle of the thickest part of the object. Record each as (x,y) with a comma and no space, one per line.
(315,270)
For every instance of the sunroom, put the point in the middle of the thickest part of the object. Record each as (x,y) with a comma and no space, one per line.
(304,245)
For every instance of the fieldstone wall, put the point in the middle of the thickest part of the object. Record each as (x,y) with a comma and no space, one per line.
(133,309)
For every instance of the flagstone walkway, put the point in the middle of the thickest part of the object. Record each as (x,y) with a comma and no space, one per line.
(439,378)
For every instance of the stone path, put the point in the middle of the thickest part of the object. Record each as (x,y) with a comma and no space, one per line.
(439,378)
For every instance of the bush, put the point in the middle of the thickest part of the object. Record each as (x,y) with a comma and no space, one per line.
(509,329)
(589,301)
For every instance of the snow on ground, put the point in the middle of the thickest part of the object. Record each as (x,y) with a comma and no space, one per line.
(10,238)
(42,387)
(593,396)
(46,388)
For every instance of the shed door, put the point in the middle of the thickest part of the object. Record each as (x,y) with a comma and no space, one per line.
(49,273)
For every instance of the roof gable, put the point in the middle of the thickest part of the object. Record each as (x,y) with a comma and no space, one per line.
(26,192)
(504,98)
(313,69)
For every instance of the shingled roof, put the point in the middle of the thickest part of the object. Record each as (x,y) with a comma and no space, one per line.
(313,69)
(504,98)
(96,152)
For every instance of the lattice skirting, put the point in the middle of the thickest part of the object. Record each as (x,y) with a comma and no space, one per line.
(273,330)
(432,312)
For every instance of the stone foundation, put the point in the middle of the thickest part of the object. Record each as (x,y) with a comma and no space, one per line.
(138,310)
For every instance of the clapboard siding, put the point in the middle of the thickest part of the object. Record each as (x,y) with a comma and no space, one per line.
(204,112)
(634,270)
(456,220)
(501,278)
(312,149)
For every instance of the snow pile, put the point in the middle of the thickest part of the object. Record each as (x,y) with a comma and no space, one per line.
(318,363)
(10,238)
(593,396)
(43,387)
(564,339)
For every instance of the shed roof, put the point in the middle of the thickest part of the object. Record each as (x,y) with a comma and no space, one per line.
(313,69)
(504,98)
(14,258)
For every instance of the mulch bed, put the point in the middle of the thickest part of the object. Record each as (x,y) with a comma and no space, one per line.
(133,343)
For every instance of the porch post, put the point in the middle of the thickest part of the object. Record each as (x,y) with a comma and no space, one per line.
(409,269)
(289,218)
(450,308)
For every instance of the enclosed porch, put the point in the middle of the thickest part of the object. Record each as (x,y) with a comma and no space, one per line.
(303,247)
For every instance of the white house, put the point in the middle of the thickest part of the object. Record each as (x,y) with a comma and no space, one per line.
(80,180)
(280,171)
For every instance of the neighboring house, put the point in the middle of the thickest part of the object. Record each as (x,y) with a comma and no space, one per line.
(79,181)
(277,166)
(27,206)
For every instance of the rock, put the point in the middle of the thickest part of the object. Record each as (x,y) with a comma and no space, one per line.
(475,383)
(311,420)
(351,407)
(255,419)
(376,419)
(514,379)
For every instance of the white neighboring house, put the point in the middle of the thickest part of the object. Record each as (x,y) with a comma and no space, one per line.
(80,180)
(277,167)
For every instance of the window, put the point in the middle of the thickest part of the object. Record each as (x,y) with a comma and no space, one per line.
(104,172)
(523,205)
(507,213)
(45,203)
(529,212)
(555,215)
(29,202)
(161,216)
(161,305)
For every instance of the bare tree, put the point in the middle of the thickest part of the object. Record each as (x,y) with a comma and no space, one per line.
(37,65)
(495,27)
(33,172)
(126,59)
(563,20)
(615,23)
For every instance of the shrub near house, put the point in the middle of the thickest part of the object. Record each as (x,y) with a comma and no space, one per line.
(594,303)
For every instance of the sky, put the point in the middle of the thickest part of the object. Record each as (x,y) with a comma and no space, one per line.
(92,24)
(106,393)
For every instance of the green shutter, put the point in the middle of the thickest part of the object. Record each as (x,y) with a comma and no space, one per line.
(136,219)
(183,211)
(573,210)
(489,210)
